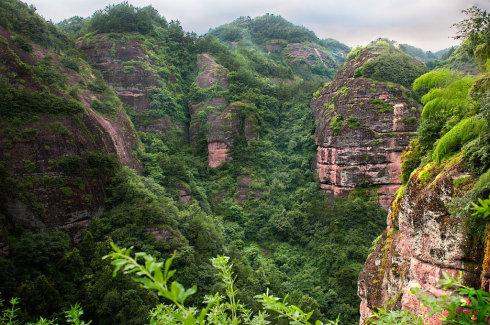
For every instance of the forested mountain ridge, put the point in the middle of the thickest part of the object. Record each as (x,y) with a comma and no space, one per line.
(172,142)
(295,46)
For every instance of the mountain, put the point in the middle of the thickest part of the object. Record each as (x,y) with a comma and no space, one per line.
(213,153)
(436,244)
(295,46)
(140,133)
(365,118)
(424,56)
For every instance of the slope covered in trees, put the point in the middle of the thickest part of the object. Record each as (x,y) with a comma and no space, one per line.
(141,175)
(262,208)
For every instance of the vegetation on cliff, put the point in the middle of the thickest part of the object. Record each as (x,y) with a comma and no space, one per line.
(67,190)
(450,154)
(280,234)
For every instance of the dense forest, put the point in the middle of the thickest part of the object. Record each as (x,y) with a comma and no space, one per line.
(122,130)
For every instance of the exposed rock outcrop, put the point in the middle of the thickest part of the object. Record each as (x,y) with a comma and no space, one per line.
(49,160)
(362,126)
(126,65)
(220,121)
(423,240)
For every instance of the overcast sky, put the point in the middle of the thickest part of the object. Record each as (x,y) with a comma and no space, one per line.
(423,23)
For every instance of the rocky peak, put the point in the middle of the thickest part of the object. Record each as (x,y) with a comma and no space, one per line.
(362,127)
(221,121)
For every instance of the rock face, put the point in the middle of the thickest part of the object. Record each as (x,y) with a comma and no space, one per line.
(309,53)
(423,240)
(129,69)
(362,126)
(220,121)
(45,156)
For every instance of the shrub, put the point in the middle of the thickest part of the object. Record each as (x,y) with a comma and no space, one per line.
(466,130)
(123,17)
(336,124)
(434,79)
(353,122)
(411,159)
(393,67)
(443,108)
(22,43)
(23,102)
(381,105)
(155,276)
(70,63)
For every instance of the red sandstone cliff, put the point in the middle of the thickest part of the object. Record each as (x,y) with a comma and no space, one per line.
(222,122)
(362,126)
(44,155)
(423,240)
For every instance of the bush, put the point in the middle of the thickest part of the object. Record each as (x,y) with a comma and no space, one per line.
(443,108)
(336,124)
(393,67)
(411,159)
(23,102)
(434,79)
(466,130)
(123,17)
(155,276)
(70,63)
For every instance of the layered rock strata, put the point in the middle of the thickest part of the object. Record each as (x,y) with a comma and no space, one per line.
(362,127)
(424,239)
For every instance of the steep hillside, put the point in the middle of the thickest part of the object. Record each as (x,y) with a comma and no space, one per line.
(438,222)
(57,115)
(69,181)
(365,118)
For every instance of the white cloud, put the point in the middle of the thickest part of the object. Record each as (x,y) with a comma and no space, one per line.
(423,23)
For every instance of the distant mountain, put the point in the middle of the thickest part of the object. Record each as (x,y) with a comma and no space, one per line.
(294,45)
(422,55)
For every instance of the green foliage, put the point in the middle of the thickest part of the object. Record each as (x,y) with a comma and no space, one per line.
(461,304)
(9,315)
(394,67)
(280,231)
(24,103)
(434,79)
(21,42)
(73,26)
(391,317)
(123,17)
(444,106)
(70,63)
(381,105)
(336,124)
(355,52)
(263,28)
(463,132)
(353,122)
(482,210)
(155,276)
(21,18)
(411,159)
(458,304)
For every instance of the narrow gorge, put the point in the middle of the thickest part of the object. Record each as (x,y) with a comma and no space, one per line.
(254,174)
